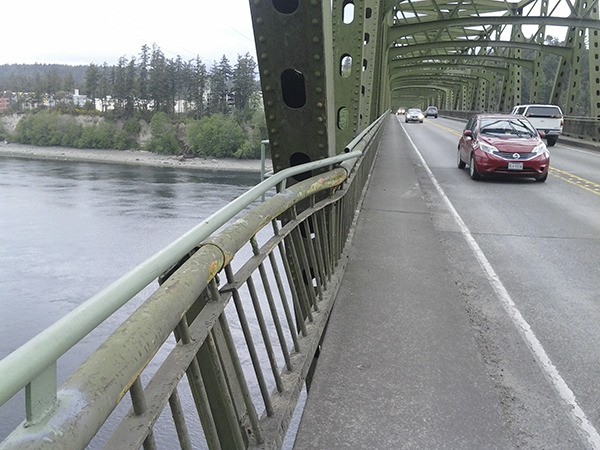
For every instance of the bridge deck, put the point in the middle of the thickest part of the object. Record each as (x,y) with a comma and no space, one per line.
(399,366)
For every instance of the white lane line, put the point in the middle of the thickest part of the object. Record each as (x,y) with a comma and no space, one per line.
(566,394)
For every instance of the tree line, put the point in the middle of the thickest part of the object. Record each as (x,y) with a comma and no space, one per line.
(190,108)
(155,83)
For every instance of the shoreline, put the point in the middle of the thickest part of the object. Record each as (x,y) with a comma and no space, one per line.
(131,157)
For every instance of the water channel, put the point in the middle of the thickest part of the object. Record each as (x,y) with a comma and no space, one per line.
(69,229)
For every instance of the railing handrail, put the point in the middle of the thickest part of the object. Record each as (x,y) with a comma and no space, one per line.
(21,367)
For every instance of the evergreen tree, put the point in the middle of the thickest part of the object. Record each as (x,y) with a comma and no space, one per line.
(244,82)
(200,80)
(143,81)
(220,80)
(92,81)
(158,80)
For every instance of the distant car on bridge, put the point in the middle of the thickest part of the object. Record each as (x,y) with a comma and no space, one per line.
(414,115)
(431,111)
(502,144)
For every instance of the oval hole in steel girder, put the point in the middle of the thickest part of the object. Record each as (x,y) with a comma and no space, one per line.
(348,12)
(365,64)
(286,6)
(300,158)
(366,39)
(343,117)
(346,66)
(293,88)
(368,13)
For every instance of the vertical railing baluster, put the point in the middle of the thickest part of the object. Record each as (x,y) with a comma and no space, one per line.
(304,296)
(138,400)
(250,343)
(199,393)
(300,325)
(40,395)
(227,403)
(312,257)
(307,280)
(326,249)
(239,372)
(274,313)
(318,249)
(284,301)
(179,420)
(265,333)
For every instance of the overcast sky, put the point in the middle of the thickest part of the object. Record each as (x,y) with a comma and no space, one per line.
(81,32)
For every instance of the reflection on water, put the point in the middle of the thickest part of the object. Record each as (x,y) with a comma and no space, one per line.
(69,229)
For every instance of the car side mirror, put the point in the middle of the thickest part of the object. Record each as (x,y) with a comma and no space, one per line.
(467,133)
(542,134)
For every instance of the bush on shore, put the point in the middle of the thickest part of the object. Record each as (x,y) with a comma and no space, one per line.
(217,135)
(50,128)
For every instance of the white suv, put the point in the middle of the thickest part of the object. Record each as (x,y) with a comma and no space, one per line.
(546,118)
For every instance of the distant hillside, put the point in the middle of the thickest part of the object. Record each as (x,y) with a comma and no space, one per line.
(32,77)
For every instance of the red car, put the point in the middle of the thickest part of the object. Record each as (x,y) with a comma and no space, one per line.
(503,144)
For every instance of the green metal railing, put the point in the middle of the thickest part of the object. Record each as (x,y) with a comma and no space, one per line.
(285,277)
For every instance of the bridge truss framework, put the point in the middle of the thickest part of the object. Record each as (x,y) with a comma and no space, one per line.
(328,69)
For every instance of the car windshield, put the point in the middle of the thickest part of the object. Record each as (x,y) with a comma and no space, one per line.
(414,111)
(509,128)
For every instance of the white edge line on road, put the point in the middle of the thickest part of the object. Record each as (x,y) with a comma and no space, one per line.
(559,384)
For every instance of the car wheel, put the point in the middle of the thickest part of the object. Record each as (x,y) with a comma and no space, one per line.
(406,121)
(473,170)
(543,178)
(435,117)
(552,140)
(459,162)
(420,121)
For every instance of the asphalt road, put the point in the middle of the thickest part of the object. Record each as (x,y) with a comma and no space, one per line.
(469,312)
(542,241)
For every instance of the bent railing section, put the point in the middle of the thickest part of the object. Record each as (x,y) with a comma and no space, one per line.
(217,356)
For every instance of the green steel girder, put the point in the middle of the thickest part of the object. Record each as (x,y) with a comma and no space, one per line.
(465,60)
(397,52)
(297,80)
(410,29)
(325,77)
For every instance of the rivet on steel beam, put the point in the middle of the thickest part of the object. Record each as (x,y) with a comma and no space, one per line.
(259,20)
(319,105)
(275,144)
(317,74)
(261,39)
(317,57)
(315,21)
(266,72)
(273,130)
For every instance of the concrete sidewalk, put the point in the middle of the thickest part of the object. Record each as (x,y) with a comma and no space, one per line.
(399,366)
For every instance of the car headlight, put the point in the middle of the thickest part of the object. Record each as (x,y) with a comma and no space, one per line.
(421,116)
(540,149)
(487,148)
